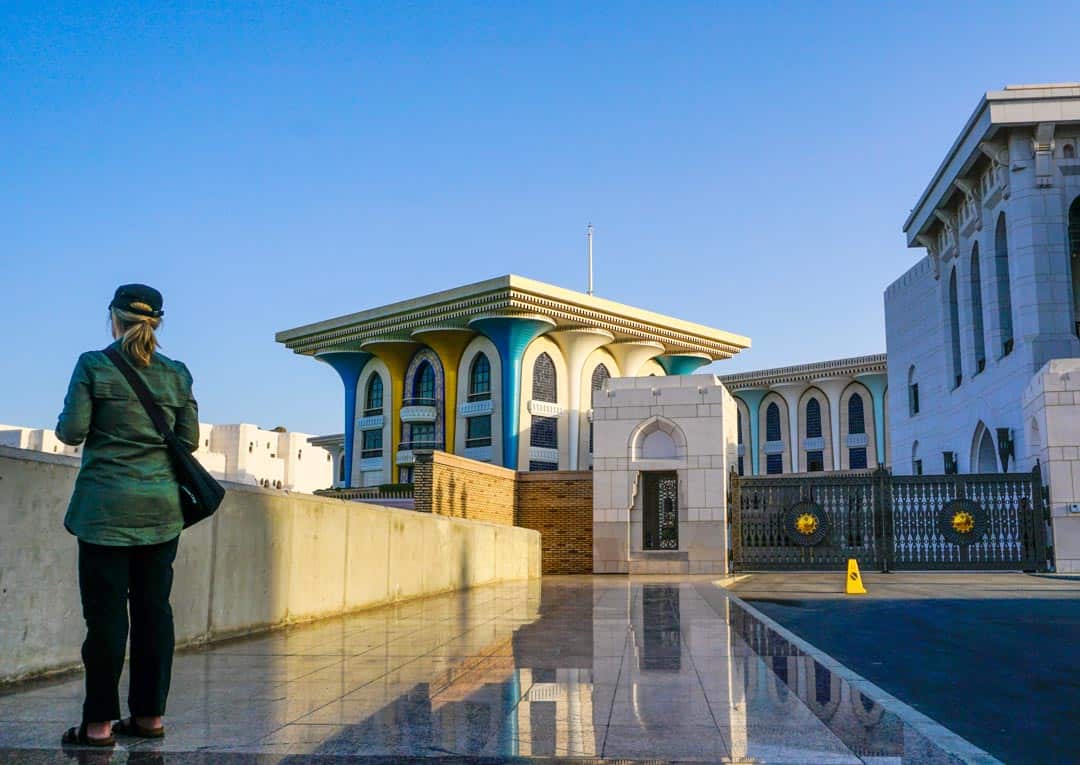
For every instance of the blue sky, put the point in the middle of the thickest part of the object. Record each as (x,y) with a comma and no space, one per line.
(747,166)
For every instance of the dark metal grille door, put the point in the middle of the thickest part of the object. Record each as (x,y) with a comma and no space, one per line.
(892,523)
(661,507)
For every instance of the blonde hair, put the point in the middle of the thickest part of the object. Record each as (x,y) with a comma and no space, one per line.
(138,339)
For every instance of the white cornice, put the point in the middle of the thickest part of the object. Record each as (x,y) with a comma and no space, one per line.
(803,373)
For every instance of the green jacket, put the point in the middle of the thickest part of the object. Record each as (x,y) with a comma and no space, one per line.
(126,492)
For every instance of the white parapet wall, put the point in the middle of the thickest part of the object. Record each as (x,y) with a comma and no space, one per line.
(266,559)
(1052,428)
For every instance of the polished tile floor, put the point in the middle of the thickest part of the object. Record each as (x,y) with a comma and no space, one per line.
(573,667)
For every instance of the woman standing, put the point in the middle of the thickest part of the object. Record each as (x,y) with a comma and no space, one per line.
(125,511)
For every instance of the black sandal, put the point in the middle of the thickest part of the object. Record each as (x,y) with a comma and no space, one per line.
(77,737)
(129,727)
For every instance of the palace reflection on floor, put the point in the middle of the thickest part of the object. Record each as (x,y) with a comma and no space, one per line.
(573,666)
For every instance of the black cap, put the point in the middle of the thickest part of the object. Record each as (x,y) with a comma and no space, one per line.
(139,299)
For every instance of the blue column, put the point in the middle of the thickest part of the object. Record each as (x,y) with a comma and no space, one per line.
(349,365)
(752,398)
(682,363)
(877,385)
(511,336)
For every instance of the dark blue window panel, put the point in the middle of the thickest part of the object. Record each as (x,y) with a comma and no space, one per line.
(856,420)
(738,425)
(372,444)
(772,423)
(544,380)
(479,431)
(813,419)
(774,464)
(815,461)
(535,466)
(373,400)
(480,378)
(424,382)
(858,458)
(544,432)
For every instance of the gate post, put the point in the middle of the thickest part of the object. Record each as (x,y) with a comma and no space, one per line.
(734,519)
(1040,517)
(883,516)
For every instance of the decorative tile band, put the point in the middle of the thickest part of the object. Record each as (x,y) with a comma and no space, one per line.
(545,409)
(774,447)
(475,408)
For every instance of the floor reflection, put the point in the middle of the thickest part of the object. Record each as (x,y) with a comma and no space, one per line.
(576,667)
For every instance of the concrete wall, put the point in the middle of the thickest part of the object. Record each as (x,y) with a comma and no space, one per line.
(1052,424)
(267,558)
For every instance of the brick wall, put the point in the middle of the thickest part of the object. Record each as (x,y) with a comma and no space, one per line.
(557,504)
(446,484)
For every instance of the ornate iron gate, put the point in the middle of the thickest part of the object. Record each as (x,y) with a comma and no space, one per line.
(955,522)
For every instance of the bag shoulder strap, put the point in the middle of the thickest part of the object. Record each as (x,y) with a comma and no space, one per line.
(142,392)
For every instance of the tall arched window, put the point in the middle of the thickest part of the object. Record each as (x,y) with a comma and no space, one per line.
(600,375)
(815,458)
(774,463)
(373,398)
(916,460)
(1004,290)
(813,419)
(1074,260)
(912,392)
(954,330)
(424,383)
(856,426)
(480,378)
(977,311)
(544,433)
(544,380)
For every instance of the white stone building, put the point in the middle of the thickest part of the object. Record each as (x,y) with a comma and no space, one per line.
(997,295)
(664,446)
(274,459)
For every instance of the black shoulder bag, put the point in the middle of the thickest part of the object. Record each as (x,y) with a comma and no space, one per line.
(200,494)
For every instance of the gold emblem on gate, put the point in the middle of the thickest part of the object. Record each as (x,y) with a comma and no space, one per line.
(806,524)
(963,522)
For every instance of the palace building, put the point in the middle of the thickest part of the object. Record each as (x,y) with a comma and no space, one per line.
(500,371)
(830,415)
(997,294)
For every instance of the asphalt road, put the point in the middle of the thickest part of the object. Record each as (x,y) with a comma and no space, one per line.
(1002,673)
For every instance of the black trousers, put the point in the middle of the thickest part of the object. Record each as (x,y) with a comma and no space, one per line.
(109,579)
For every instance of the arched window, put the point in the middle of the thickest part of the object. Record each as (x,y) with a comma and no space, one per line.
(977,311)
(815,457)
(1004,291)
(772,423)
(916,460)
(774,463)
(954,330)
(480,378)
(856,426)
(599,376)
(544,380)
(424,382)
(913,392)
(373,398)
(1068,152)
(341,469)
(1074,260)
(813,418)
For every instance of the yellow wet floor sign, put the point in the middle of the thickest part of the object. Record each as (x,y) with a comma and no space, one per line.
(854,579)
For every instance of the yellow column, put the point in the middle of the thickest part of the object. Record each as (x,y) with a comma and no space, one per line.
(396,354)
(449,343)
